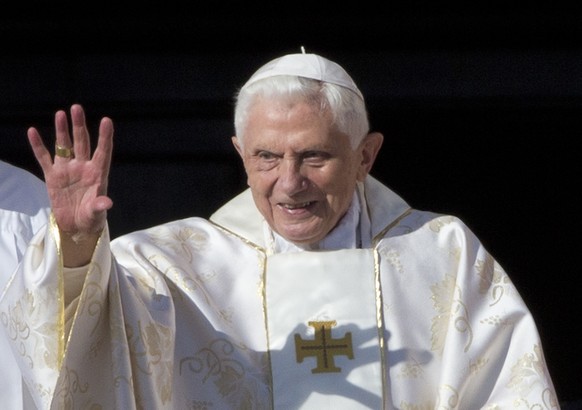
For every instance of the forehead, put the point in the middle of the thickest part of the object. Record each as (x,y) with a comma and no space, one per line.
(287,103)
(290,123)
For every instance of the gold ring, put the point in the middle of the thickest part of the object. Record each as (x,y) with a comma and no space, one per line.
(64,152)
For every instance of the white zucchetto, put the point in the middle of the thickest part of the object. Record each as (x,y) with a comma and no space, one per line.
(309,66)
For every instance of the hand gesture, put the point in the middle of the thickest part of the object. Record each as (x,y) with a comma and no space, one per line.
(75,179)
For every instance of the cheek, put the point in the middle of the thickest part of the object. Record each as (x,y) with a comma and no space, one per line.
(342,184)
(340,198)
(261,182)
(338,189)
(341,177)
(252,172)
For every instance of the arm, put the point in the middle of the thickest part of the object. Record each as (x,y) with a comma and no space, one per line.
(77,185)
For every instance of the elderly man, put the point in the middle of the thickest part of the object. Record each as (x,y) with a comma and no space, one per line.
(317,287)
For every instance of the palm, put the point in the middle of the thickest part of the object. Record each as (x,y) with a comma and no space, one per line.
(77,186)
(73,189)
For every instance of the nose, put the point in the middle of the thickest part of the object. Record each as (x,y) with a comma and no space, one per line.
(291,178)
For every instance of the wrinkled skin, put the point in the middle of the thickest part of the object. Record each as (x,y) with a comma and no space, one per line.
(77,186)
(302,172)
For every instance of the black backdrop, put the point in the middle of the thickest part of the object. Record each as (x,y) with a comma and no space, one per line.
(481,111)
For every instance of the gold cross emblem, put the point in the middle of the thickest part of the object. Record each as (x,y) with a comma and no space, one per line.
(324,347)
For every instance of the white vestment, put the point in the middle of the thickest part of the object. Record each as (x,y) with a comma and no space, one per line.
(198,314)
(24,209)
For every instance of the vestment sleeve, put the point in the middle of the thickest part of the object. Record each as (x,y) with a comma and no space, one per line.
(34,314)
(459,333)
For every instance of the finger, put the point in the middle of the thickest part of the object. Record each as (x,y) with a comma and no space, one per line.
(104,149)
(81,139)
(62,137)
(102,204)
(41,153)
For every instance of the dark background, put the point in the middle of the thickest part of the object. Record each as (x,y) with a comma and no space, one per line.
(480,108)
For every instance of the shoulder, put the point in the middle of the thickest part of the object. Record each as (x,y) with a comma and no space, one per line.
(176,229)
(426,230)
(193,241)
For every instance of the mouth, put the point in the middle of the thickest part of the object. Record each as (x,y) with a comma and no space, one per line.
(296,208)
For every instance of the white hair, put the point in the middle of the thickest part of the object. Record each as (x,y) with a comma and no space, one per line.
(347,108)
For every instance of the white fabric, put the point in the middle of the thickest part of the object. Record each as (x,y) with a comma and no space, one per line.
(337,287)
(24,209)
(309,66)
(179,318)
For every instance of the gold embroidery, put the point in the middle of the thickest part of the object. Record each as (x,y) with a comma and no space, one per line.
(70,386)
(446,297)
(184,241)
(380,316)
(393,258)
(24,323)
(496,320)
(474,367)
(436,224)
(151,347)
(448,397)
(422,406)
(54,230)
(411,369)
(376,239)
(223,363)
(492,277)
(324,347)
(531,367)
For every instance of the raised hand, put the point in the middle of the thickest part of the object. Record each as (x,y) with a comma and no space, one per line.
(76,180)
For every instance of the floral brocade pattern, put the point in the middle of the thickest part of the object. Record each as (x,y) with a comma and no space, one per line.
(525,375)
(447,300)
(165,321)
(223,366)
(36,334)
(220,363)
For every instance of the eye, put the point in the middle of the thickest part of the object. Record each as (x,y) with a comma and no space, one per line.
(315,157)
(265,160)
(266,155)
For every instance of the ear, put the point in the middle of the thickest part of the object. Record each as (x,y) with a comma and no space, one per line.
(369,149)
(239,149)
(237,146)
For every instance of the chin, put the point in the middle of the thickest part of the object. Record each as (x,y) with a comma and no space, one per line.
(301,238)
(301,231)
